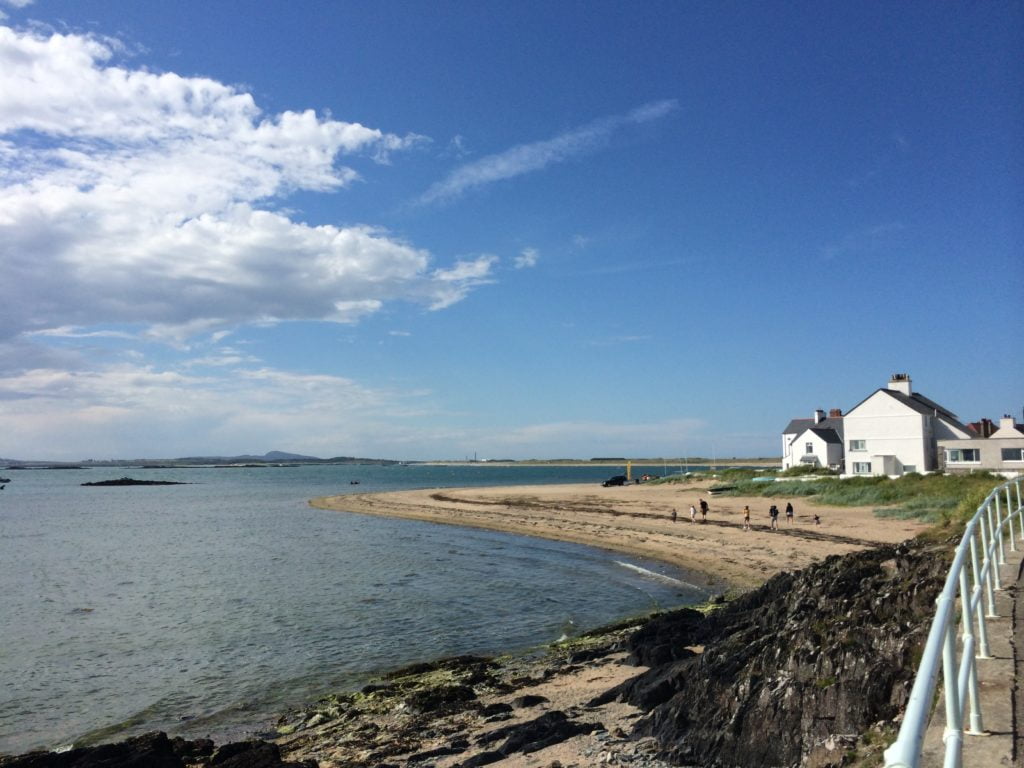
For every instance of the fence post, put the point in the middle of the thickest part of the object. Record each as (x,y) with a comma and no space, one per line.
(999,529)
(992,554)
(954,706)
(976,727)
(983,649)
(1009,521)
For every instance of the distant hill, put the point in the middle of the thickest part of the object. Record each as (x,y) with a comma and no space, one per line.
(271,457)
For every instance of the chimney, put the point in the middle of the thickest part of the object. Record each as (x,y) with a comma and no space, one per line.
(900,382)
(819,416)
(835,413)
(1007,422)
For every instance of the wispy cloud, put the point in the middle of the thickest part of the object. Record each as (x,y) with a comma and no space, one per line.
(862,241)
(536,156)
(526,259)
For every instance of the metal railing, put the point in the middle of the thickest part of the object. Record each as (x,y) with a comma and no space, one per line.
(974,577)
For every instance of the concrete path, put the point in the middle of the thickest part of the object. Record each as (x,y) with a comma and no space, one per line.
(999,677)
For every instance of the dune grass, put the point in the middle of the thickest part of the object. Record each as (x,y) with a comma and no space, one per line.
(942,499)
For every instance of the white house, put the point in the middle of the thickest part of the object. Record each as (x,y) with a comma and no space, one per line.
(896,430)
(816,442)
(1002,451)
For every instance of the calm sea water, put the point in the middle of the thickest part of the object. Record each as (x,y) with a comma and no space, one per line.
(204,609)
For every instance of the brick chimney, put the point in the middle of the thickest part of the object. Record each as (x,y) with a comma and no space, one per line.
(900,382)
(835,413)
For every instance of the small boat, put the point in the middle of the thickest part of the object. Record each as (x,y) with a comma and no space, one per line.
(353,482)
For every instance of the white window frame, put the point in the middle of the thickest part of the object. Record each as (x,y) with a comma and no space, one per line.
(958,453)
(858,445)
(862,467)
(808,448)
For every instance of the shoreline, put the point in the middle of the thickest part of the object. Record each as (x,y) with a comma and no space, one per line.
(636,520)
(573,681)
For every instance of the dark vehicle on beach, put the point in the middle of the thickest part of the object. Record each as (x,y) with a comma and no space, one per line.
(616,480)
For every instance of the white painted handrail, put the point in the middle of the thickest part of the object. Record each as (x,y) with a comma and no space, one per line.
(975,586)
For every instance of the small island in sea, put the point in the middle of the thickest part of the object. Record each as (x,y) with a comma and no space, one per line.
(132,481)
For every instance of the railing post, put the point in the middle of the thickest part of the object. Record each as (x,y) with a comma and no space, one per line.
(983,649)
(999,532)
(986,565)
(954,706)
(1009,520)
(976,727)
(1020,515)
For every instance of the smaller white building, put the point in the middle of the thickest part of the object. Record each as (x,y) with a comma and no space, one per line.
(817,441)
(895,431)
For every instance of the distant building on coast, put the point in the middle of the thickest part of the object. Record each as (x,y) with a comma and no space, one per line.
(1002,450)
(816,442)
(895,431)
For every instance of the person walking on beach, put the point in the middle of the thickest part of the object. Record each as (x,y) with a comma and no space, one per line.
(773,513)
(693,514)
(789,513)
(746,517)
(703,511)
(673,514)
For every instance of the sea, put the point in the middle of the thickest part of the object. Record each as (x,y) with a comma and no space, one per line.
(211,607)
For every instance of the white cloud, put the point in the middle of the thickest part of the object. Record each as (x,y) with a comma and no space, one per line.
(528,258)
(148,195)
(525,158)
(127,410)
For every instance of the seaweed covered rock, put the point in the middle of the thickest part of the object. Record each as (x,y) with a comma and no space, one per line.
(155,750)
(786,673)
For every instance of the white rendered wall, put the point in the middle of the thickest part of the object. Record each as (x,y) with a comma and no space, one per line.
(888,428)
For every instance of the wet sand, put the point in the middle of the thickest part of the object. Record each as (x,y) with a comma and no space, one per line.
(637,520)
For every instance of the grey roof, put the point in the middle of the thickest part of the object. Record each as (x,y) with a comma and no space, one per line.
(799,426)
(916,402)
(796,426)
(829,435)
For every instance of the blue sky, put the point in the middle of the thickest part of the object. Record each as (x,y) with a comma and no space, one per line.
(432,230)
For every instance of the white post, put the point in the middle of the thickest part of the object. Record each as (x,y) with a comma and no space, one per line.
(976,727)
(999,530)
(983,649)
(1009,521)
(954,727)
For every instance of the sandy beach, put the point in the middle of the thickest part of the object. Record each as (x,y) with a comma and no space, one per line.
(633,519)
(637,520)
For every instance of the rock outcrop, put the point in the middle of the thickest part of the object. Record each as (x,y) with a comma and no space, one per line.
(789,674)
(156,750)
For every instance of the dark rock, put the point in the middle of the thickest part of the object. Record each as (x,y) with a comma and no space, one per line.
(483,758)
(790,666)
(530,700)
(496,709)
(441,698)
(439,752)
(151,750)
(550,728)
(254,754)
(192,751)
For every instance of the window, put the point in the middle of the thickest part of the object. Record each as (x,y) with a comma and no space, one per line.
(808,447)
(858,445)
(963,455)
(1013,454)
(862,467)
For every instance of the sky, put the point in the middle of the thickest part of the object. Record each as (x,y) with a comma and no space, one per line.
(443,230)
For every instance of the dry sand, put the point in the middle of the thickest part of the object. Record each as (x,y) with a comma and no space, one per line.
(636,519)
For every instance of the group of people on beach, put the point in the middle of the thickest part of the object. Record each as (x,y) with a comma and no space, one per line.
(773,515)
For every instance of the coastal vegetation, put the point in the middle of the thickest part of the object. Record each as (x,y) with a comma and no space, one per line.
(945,500)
